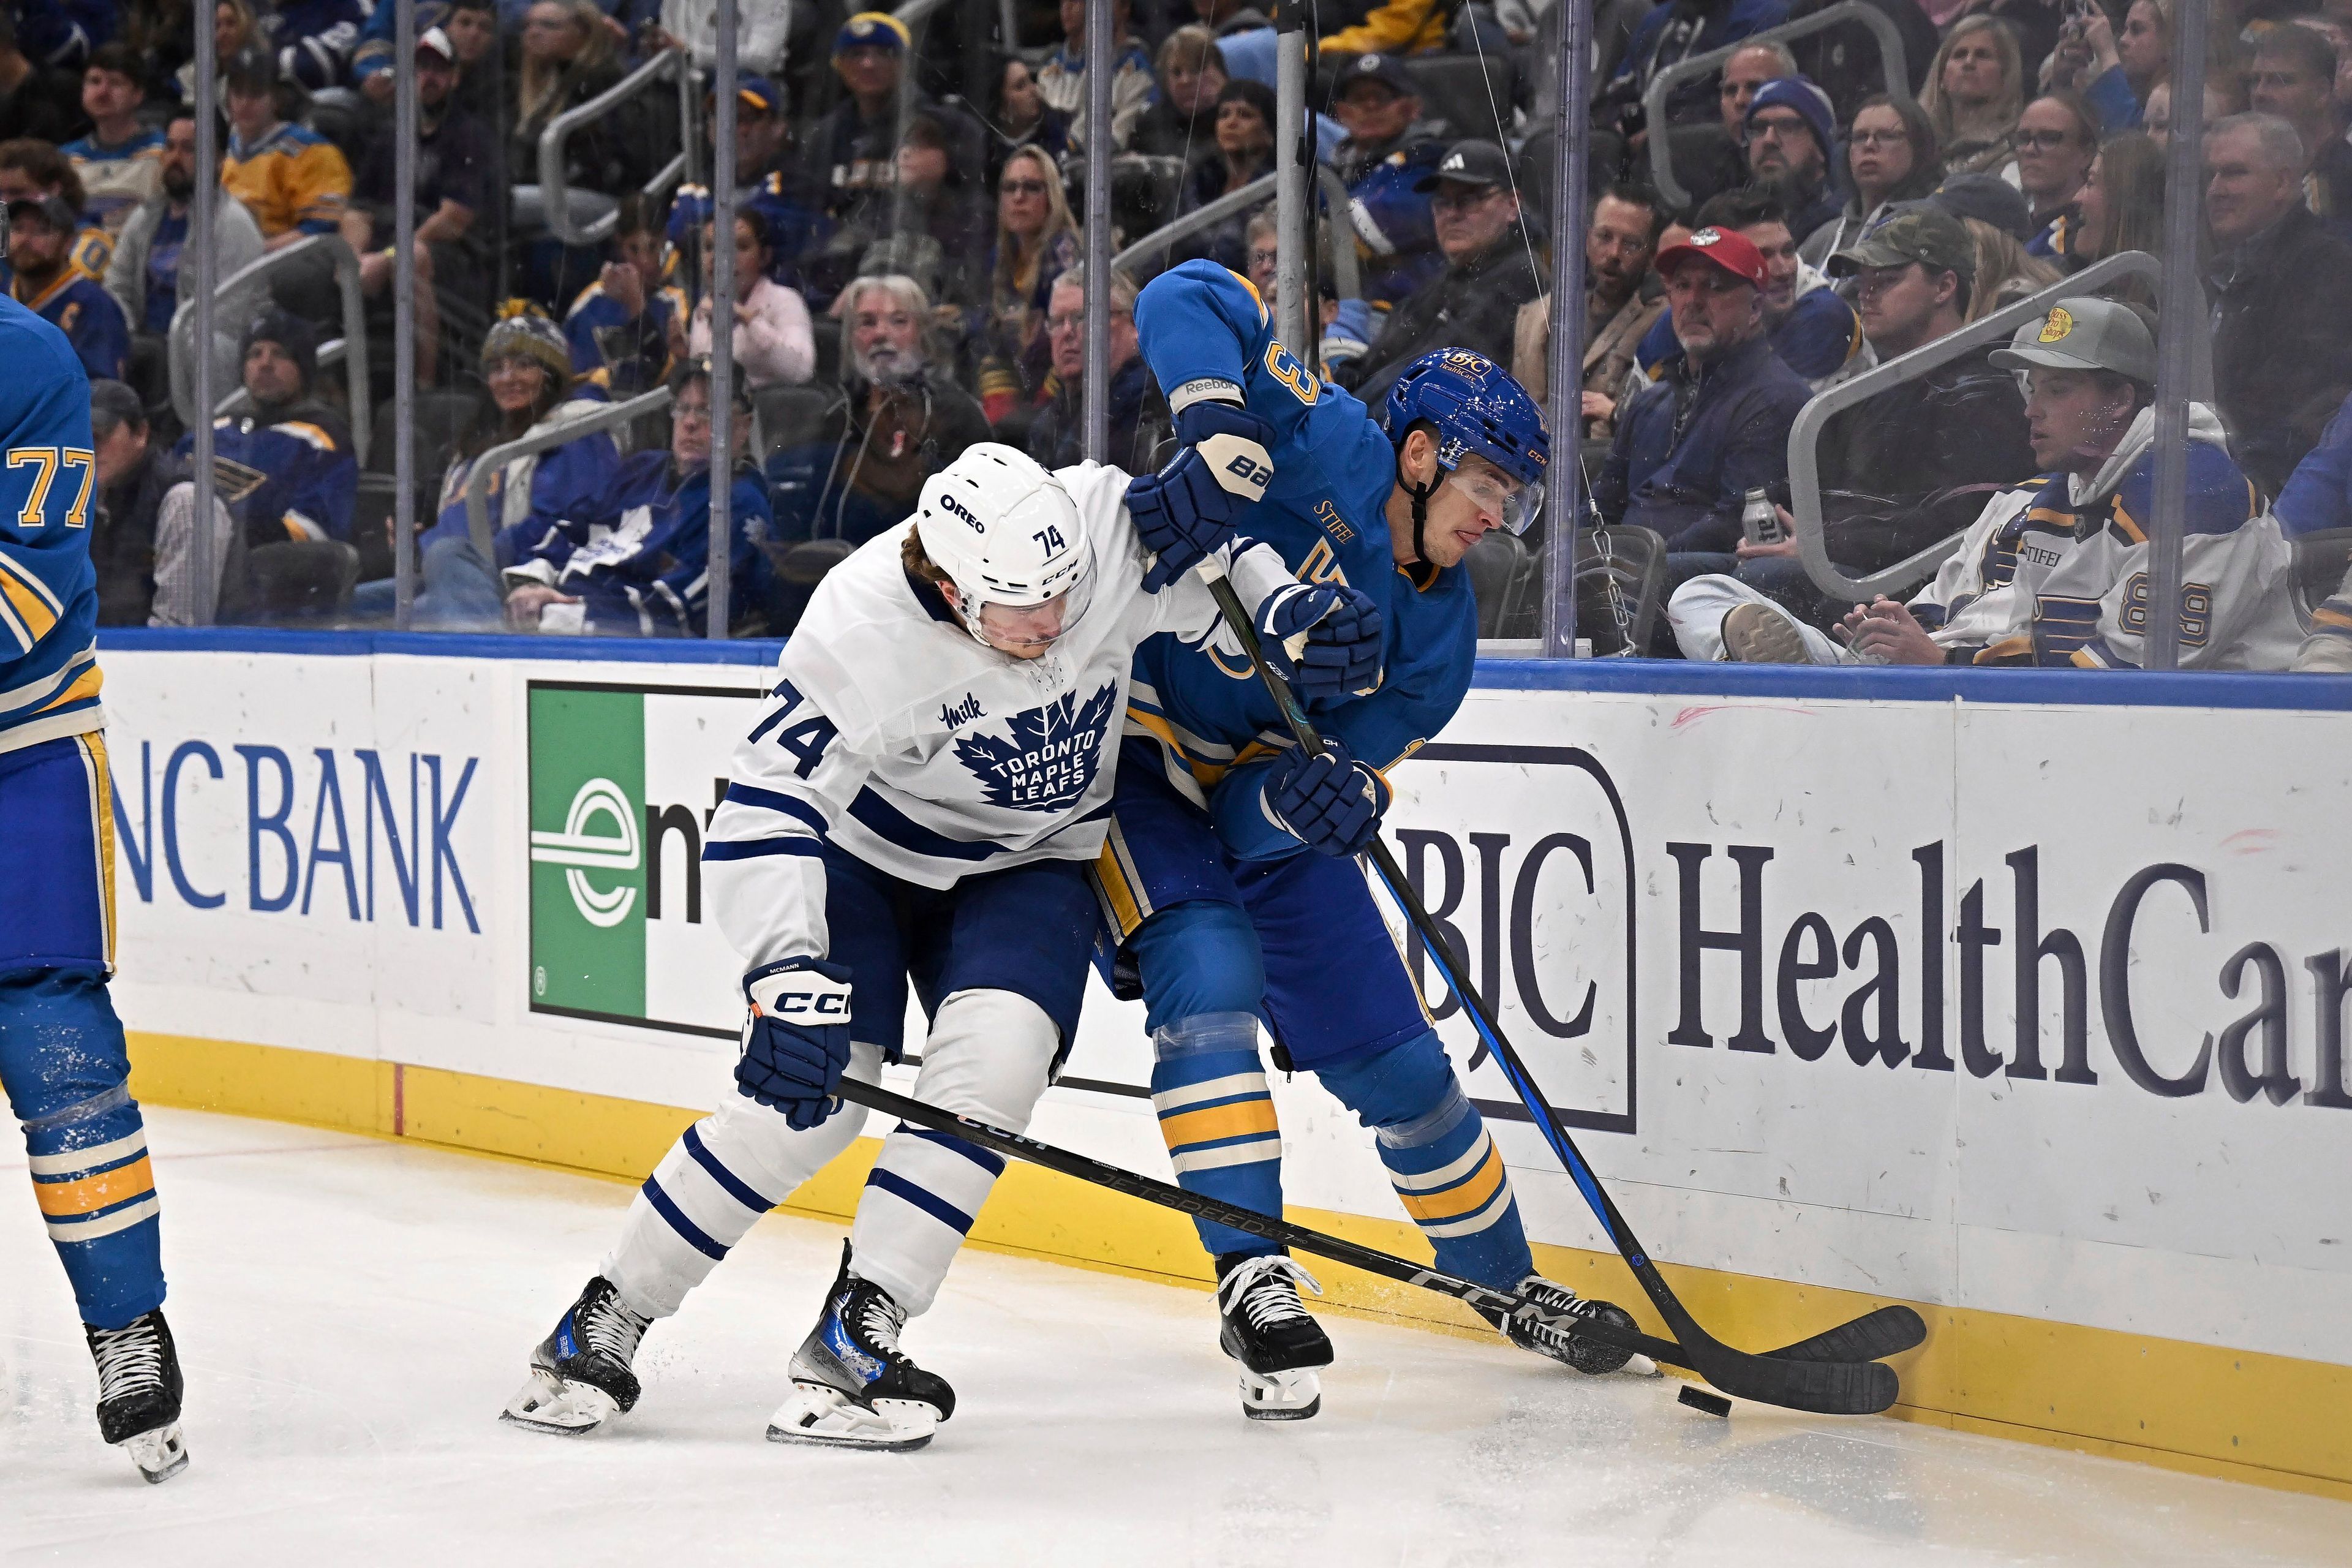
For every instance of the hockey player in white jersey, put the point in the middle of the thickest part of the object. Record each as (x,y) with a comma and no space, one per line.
(2055,572)
(917,806)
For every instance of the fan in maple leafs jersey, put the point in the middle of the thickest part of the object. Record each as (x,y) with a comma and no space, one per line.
(914,807)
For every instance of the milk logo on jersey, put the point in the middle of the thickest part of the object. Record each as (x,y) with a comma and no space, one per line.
(956,715)
(1049,757)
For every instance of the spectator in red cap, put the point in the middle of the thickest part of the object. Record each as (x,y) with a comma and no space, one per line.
(1715,424)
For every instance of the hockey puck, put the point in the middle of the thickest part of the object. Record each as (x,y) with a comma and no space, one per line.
(1700,1399)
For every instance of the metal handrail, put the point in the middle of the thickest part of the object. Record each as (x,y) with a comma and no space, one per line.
(1653,99)
(555,195)
(1804,470)
(1347,277)
(347,280)
(477,482)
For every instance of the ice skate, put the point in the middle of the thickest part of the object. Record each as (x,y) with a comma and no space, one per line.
(580,1374)
(1268,1331)
(852,1386)
(1584,1356)
(139,1393)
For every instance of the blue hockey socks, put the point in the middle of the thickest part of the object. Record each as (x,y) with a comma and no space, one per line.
(1445,1167)
(1218,1121)
(63,1064)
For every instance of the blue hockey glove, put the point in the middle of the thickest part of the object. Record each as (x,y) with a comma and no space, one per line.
(1332,802)
(1187,508)
(1351,332)
(795,1038)
(1324,639)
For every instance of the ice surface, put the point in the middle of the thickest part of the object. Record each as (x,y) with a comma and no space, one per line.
(354,1313)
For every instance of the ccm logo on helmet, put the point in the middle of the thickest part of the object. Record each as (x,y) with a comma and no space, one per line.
(949,504)
(809,1005)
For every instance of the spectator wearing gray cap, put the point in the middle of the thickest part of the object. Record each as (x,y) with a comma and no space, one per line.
(2282,291)
(1489,271)
(2054,572)
(131,479)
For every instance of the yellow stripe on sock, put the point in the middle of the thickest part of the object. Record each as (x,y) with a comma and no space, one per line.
(1455,1201)
(91,1193)
(1234,1120)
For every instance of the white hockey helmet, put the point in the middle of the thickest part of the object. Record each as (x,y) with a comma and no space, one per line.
(1009,536)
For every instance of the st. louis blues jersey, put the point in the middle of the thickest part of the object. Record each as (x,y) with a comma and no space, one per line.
(1206,333)
(48,591)
(896,738)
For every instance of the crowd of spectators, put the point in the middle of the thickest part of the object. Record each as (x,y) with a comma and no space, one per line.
(909,274)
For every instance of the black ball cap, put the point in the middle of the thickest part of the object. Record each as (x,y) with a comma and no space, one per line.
(1469,163)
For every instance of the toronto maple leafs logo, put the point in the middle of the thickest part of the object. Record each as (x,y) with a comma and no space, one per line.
(1050,756)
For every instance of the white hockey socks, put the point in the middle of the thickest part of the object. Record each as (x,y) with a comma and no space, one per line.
(718,1179)
(988,1058)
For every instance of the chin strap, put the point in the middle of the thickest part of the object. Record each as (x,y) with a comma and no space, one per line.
(1420,494)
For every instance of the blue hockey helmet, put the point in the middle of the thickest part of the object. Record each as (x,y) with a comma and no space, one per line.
(1477,406)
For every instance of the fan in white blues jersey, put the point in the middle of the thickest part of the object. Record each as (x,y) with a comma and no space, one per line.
(915,806)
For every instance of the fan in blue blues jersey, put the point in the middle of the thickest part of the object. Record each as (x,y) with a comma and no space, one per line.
(1228,891)
(62,1060)
(912,811)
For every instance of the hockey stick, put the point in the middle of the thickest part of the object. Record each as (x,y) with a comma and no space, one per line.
(1275,1228)
(1854,1387)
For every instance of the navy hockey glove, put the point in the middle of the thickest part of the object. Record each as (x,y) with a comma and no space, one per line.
(1324,639)
(795,1038)
(1187,508)
(1332,802)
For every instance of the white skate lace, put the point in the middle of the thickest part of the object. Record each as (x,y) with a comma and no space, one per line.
(1267,1288)
(129,1358)
(611,1328)
(879,1320)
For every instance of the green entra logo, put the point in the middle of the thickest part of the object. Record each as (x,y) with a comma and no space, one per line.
(587,871)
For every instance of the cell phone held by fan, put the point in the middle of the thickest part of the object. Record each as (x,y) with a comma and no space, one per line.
(1760,519)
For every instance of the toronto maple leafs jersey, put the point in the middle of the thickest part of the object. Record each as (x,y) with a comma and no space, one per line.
(895,737)
(1204,333)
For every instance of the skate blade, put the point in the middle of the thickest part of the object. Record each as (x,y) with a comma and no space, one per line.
(1281,1395)
(552,1405)
(822,1416)
(160,1454)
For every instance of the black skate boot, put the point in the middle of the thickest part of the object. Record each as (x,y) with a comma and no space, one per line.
(1266,1330)
(1584,1356)
(139,1393)
(853,1387)
(580,1374)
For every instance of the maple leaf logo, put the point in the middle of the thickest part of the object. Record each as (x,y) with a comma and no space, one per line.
(1049,757)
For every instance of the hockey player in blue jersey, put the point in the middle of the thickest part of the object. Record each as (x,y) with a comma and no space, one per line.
(62,1060)
(1228,888)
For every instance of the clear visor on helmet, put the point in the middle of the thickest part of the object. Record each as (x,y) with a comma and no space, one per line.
(1497,496)
(1026,631)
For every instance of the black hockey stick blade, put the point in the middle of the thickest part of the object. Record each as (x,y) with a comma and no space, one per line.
(1548,1324)
(1873,1336)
